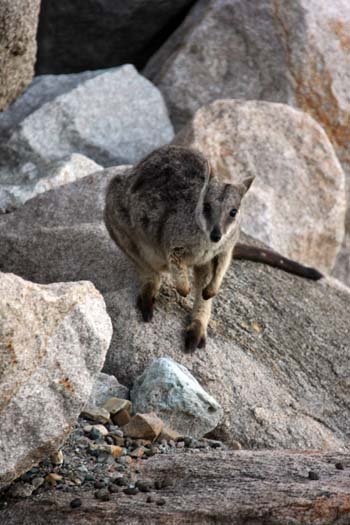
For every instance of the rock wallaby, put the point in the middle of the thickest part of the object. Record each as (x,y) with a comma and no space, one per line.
(172,211)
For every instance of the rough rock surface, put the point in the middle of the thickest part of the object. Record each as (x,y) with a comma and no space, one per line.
(297,202)
(20,184)
(105,387)
(90,34)
(169,390)
(237,488)
(18,26)
(114,117)
(292,52)
(44,380)
(277,357)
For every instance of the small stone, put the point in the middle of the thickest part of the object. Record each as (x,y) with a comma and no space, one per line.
(125,460)
(161,501)
(117,440)
(37,482)
(21,490)
(169,434)
(113,489)
(188,441)
(213,443)
(57,458)
(180,444)
(100,484)
(149,452)
(53,478)
(75,503)
(103,495)
(339,466)
(77,481)
(115,431)
(313,475)
(144,486)
(138,452)
(87,429)
(101,429)
(147,426)
(114,405)
(100,415)
(89,477)
(150,499)
(132,491)
(121,482)
(235,445)
(121,418)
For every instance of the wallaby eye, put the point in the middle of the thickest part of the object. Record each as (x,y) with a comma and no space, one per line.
(233,212)
(206,207)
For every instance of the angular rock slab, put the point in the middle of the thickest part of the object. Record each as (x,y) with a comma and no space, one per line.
(53,342)
(297,202)
(19,185)
(18,27)
(169,390)
(105,387)
(240,488)
(113,117)
(277,356)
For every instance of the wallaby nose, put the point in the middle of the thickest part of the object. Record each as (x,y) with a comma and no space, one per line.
(215,235)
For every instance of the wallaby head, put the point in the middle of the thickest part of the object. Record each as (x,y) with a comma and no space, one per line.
(217,211)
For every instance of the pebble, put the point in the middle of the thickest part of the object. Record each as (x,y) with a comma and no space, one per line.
(100,484)
(313,475)
(150,499)
(57,458)
(144,486)
(52,478)
(180,444)
(121,482)
(103,495)
(138,452)
(75,503)
(131,491)
(113,489)
(339,466)
(161,501)
(37,482)
(21,490)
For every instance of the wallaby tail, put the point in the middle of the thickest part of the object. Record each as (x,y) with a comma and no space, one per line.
(253,253)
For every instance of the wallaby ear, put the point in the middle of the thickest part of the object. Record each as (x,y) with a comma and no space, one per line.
(223,170)
(247,182)
(210,171)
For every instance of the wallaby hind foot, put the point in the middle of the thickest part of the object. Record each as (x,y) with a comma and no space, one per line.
(195,336)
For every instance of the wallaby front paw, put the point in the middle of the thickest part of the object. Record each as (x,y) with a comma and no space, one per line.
(195,336)
(183,290)
(145,305)
(209,292)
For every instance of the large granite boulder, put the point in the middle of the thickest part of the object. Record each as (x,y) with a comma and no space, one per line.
(277,357)
(293,52)
(113,117)
(297,202)
(18,27)
(90,34)
(53,342)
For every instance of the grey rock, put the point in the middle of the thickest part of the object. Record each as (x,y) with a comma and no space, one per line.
(90,34)
(18,27)
(44,380)
(105,387)
(168,389)
(297,202)
(114,117)
(20,184)
(267,360)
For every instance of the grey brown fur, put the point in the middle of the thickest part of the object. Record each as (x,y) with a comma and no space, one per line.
(172,212)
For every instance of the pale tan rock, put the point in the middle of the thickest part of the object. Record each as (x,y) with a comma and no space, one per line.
(18,27)
(100,415)
(101,429)
(297,203)
(57,458)
(147,426)
(44,381)
(113,405)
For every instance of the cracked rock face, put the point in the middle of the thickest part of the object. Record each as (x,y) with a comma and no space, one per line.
(53,341)
(18,27)
(297,202)
(277,356)
(292,52)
